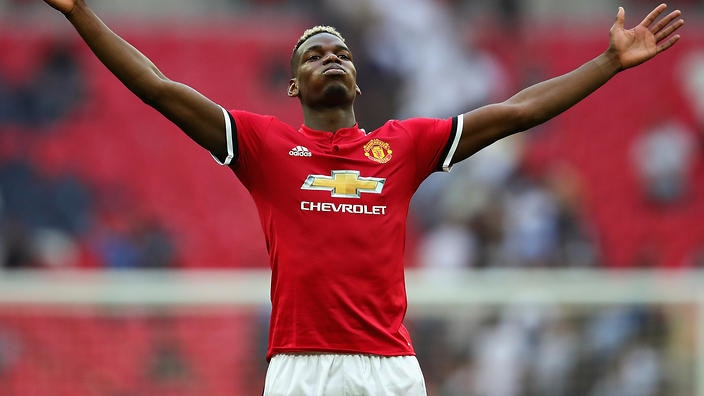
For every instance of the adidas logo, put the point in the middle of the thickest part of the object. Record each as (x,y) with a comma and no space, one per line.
(300,151)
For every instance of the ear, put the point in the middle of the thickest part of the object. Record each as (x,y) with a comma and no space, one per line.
(293,88)
(359,91)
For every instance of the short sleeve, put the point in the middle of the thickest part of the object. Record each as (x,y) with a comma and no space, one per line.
(435,141)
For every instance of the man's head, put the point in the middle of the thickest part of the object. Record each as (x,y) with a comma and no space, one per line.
(322,70)
(308,34)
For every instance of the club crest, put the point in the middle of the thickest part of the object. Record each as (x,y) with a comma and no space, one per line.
(378,150)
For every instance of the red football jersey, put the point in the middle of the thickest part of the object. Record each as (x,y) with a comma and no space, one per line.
(333,207)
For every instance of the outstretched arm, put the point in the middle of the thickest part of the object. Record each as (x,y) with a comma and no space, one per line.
(543,101)
(195,114)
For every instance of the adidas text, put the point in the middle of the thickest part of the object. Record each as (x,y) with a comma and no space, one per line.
(300,151)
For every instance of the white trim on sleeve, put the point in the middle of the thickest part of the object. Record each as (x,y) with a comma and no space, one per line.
(228,137)
(447,163)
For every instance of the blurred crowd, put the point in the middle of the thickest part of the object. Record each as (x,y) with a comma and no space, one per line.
(553,351)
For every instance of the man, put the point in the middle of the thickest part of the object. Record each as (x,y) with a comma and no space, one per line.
(333,198)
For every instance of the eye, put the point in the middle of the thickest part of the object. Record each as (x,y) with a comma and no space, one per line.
(312,58)
(344,56)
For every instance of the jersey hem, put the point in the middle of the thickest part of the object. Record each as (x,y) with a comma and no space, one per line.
(334,351)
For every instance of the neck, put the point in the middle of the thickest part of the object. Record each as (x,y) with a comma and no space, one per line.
(329,120)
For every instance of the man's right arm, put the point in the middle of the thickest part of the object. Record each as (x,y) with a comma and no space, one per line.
(199,117)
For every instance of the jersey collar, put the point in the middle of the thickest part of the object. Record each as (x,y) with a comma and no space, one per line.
(351,132)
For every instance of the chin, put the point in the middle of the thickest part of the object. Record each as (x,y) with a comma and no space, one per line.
(336,95)
(335,90)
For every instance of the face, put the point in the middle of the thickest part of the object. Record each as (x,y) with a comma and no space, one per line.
(324,74)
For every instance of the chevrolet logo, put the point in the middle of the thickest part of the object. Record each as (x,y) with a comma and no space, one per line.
(344,184)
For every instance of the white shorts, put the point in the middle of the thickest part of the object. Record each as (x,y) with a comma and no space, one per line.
(343,375)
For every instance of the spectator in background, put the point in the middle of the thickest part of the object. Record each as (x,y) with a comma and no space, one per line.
(127,238)
(501,355)
(450,246)
(578,239)
(55,89)
(624,341)
(16,250)
(637,372)
(664,155)
(41,217)
(531,237)
(157,249)
(555,356)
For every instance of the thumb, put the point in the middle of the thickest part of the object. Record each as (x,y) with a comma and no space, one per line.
(620,18)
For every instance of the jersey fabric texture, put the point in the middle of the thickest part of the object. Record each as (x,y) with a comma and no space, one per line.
(333,208)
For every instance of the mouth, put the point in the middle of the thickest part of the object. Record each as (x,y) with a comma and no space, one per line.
(334,71)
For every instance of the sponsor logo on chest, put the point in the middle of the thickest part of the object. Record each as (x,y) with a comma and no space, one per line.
(346,183)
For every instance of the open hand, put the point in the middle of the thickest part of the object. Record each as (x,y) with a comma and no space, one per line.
(646,40)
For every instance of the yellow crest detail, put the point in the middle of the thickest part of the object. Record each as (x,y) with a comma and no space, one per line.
(378,150)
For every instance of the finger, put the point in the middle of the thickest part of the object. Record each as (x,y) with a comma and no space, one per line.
(668,30)
(666,21)
(650,18)
(667,44)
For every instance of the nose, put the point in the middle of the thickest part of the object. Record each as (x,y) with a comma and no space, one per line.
(331,57)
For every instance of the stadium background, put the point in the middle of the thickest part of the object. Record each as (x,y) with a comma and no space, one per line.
(564,261)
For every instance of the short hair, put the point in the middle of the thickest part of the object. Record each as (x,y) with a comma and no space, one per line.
(315,30)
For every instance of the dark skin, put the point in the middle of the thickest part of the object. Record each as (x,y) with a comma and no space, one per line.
(325,81)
